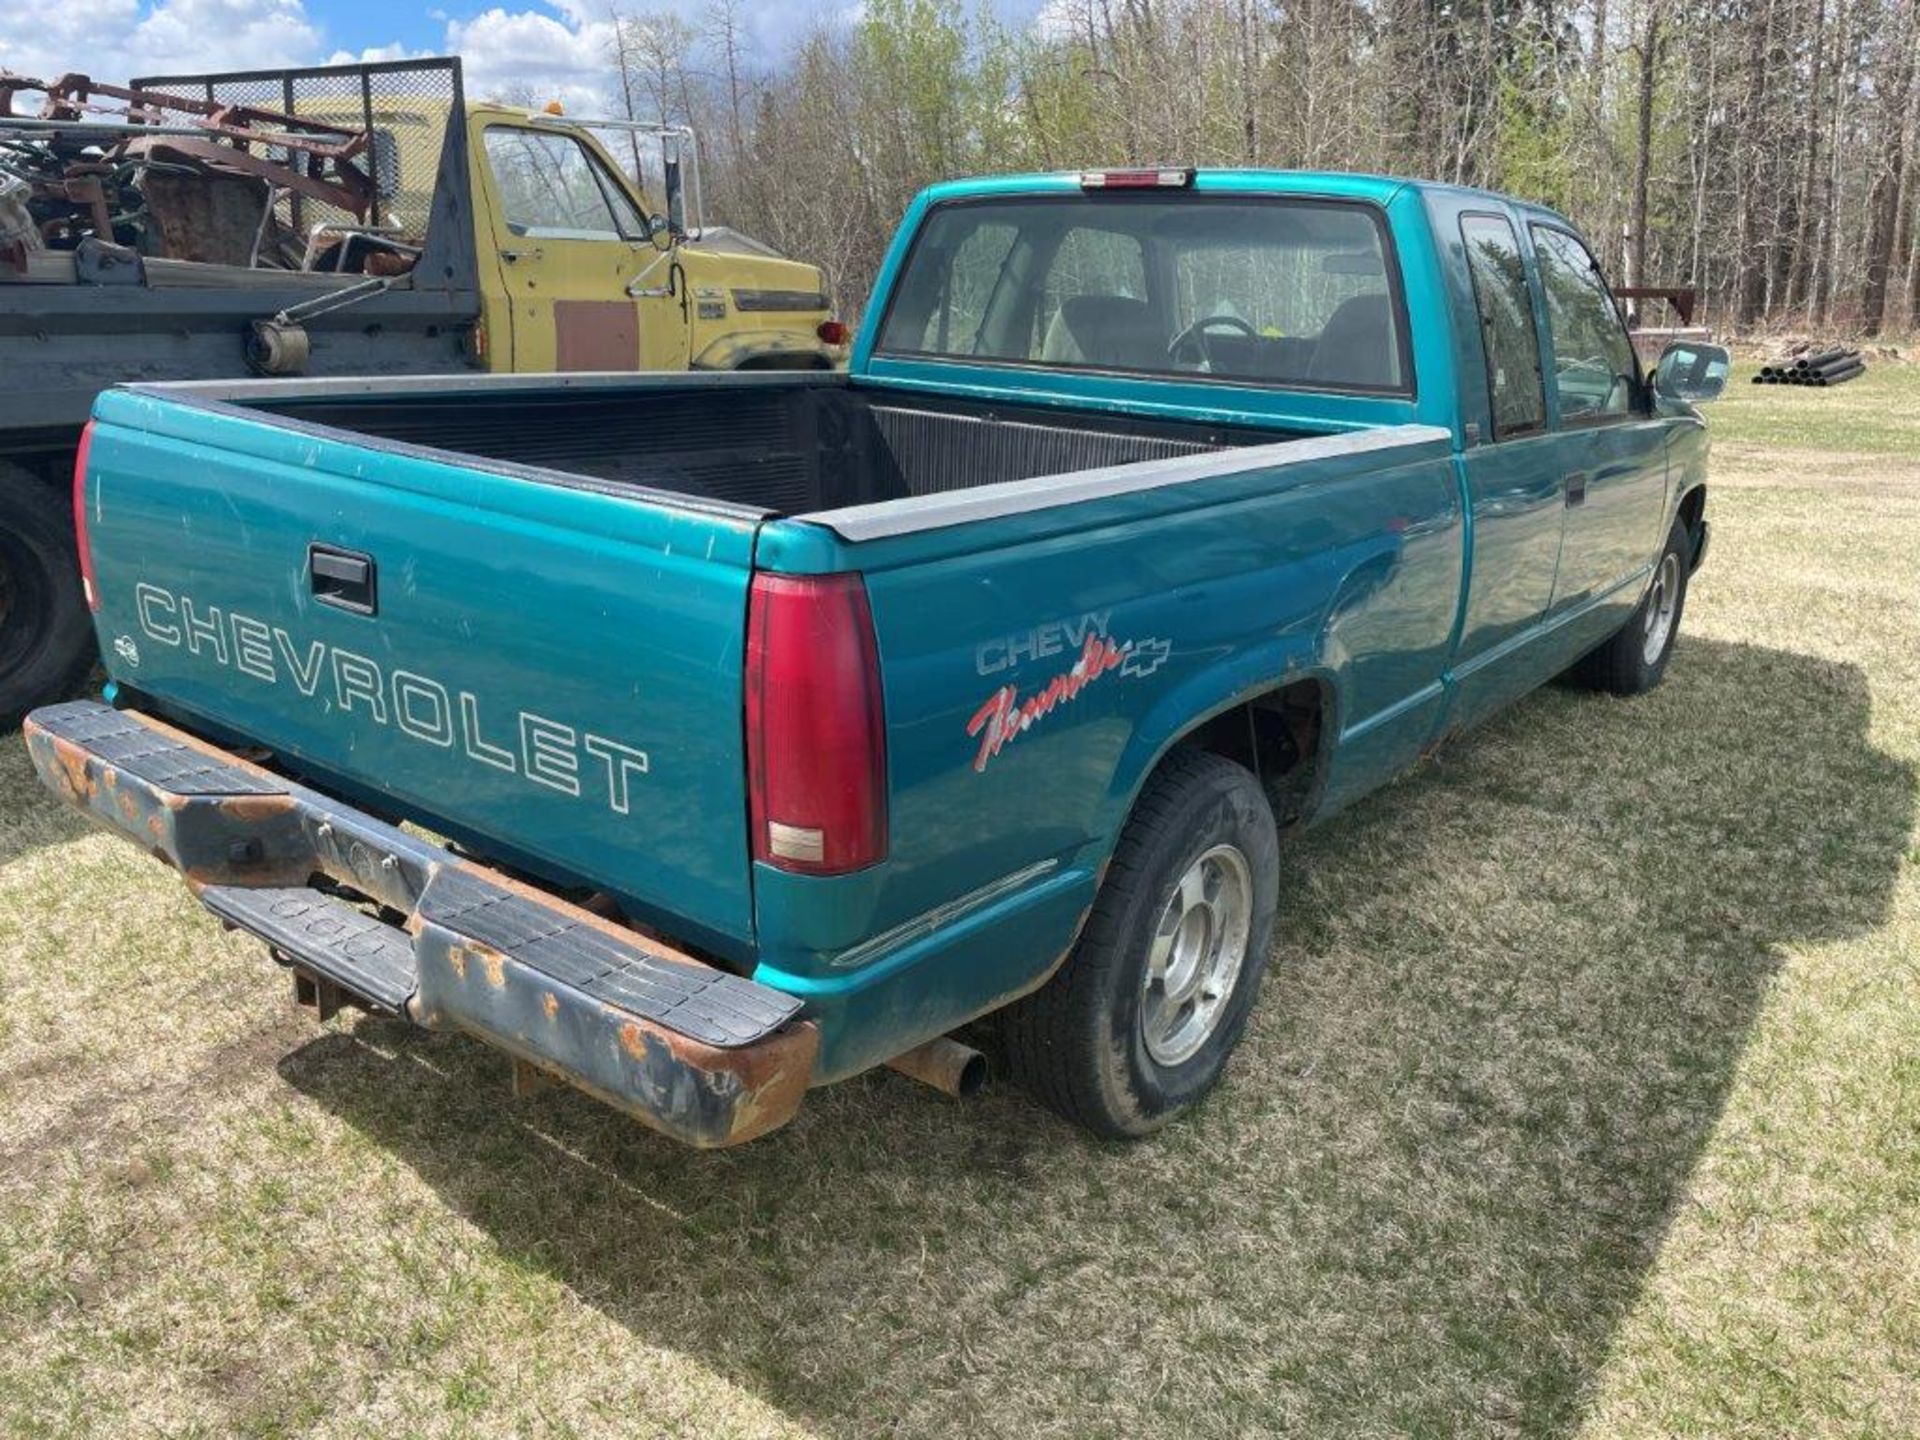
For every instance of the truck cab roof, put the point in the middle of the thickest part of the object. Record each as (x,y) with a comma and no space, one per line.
(1342,184)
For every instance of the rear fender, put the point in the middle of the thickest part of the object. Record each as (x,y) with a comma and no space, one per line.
(1258,670)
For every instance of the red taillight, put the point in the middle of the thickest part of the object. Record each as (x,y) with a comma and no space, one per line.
(1158,177)
(816,729)
(80,538)
(832,332)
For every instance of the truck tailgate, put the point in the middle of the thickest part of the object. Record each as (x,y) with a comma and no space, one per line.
(494,652)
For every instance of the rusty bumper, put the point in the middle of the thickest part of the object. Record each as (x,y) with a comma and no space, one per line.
(705,1056)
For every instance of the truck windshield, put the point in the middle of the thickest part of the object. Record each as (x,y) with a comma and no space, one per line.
(1297,293)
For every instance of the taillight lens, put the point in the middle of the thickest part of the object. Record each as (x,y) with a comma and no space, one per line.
(816,726)
(80,538)
(832,332)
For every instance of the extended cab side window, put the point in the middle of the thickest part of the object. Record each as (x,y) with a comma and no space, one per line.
(1593,363)
(1507,332)
(552,188)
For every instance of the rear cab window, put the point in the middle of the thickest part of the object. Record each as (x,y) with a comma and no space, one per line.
(1278,291)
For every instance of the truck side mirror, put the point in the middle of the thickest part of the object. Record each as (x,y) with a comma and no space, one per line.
(1692,371)
(675,191)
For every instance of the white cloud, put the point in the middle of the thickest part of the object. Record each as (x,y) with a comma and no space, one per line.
(553,49)
(561,50)
(114,39)
(375,53)
(246,34)
(528,54)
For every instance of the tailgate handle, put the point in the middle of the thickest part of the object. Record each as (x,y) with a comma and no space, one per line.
(342,578)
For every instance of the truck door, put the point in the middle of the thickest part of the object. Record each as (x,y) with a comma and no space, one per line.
(1513,474)
(1612,447)
(569,242)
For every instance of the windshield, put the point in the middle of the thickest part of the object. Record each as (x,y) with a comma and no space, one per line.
(1296,293)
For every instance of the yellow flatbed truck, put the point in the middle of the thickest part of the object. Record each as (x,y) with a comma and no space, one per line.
(344,220)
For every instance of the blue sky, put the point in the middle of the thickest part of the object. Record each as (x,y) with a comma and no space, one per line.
(357,24)
(555,47)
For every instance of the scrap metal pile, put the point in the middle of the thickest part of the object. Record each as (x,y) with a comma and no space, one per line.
(175,177)
(1803,365)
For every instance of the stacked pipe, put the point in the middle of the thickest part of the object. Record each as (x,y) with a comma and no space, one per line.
(1819,368)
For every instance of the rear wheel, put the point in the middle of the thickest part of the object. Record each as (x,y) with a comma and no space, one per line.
(1138,1023)
(46,636)
(1633,661)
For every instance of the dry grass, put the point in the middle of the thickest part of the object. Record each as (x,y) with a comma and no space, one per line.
(1584,1100)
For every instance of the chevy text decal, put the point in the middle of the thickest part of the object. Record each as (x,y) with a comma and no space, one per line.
(548,752)
(1006,716)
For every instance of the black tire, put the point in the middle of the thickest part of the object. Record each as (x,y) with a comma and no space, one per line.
(1077,1044)
(1622,665)
(46,634)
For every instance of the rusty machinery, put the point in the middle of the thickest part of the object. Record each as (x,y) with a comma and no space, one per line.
(179,177)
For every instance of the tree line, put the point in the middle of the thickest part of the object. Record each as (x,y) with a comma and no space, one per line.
(1760,150)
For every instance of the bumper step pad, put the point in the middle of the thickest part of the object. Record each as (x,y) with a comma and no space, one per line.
(695,1000)
(708,1057)
(136,749)
(326,935)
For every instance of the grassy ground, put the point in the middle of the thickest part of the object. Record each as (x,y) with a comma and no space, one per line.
(1584,1100)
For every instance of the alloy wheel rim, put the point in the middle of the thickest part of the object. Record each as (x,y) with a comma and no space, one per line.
(1662,600)
(1195,955)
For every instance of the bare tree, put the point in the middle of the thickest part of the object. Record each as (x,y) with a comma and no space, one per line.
(1762,150)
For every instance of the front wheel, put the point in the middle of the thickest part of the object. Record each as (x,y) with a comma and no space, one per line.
(1632,662)
(1138,1023)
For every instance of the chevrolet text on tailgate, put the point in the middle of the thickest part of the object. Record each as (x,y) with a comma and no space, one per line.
(772,727)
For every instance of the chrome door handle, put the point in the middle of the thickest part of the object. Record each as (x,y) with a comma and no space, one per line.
(510,256)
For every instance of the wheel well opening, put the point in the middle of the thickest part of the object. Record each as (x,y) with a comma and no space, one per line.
(1276,735)
(784,361)
(1693,505)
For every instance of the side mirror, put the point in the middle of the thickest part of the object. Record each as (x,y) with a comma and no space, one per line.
(673,184)
(1692,371)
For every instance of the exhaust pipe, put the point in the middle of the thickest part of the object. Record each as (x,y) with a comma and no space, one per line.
(945,1064)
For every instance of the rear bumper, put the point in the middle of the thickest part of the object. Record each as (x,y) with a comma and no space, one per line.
(704,1056)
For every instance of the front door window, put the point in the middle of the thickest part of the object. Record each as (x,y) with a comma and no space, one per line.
(1593,364)
(552,189)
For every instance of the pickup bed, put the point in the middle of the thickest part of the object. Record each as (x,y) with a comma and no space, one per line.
(699,739)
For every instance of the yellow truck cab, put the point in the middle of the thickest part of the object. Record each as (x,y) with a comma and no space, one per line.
(586,272)
(582,265)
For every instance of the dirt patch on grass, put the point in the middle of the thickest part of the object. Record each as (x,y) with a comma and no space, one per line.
(97,1124)
(1776,467)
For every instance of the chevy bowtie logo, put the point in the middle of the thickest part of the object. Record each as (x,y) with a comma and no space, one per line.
(1145,656)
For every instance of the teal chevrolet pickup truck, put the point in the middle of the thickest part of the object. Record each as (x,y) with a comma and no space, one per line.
(697,740)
